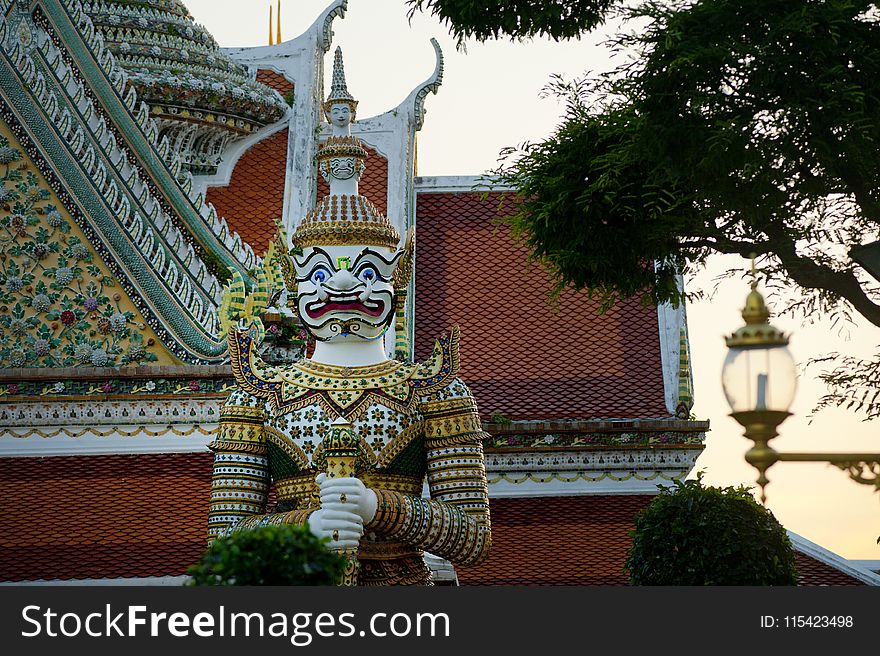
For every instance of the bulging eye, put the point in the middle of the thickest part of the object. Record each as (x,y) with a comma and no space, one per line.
(367,274)
(319,276)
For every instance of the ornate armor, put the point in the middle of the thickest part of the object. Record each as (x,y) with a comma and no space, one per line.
(413,422)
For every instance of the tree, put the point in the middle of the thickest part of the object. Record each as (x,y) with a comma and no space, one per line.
(695,535)
(735,126)
(519,19)
(269,555)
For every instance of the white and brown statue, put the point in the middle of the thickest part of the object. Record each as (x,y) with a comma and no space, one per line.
(348,436)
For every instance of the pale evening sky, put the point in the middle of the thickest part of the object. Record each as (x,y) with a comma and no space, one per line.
(490,99)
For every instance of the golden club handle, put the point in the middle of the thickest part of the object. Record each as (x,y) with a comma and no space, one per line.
(341,453)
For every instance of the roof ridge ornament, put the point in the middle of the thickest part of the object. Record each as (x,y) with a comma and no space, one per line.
(343,216)
(431,85)
(338,8)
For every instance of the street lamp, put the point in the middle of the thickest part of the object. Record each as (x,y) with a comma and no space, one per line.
(759,379)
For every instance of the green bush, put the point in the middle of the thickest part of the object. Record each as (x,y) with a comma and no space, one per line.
(696,535)
(269,555)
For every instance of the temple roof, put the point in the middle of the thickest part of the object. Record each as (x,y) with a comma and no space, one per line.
(112,101)
(80,120)
(254,198)
(123,516)
(582,541)
(522,356)
(103,516)
(179,70)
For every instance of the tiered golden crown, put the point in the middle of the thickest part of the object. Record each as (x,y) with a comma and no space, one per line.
(347,146)
(343,221)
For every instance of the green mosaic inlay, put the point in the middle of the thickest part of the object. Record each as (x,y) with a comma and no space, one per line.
(411,461)
(154,387)
(280,464)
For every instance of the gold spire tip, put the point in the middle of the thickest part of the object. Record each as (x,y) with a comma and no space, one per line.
(278,24)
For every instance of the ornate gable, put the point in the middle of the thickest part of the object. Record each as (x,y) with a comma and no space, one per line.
(78,113)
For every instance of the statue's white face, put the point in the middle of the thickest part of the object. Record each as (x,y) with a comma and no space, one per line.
(345,293)
(340,115)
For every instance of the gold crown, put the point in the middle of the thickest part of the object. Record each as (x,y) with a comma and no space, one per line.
(346,146)
(345,221)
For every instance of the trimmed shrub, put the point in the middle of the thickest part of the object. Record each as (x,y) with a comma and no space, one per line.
(269,555)
(696,535)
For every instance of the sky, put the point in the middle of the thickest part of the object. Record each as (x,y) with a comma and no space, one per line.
(491,99)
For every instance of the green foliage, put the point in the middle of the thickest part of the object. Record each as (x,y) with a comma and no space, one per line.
(593,211)
(734,127)
(269,555)
(696,535)
(518,19)
(852,384)
(741,127)
(499,418)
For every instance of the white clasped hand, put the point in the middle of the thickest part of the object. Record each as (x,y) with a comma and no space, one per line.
(346,505)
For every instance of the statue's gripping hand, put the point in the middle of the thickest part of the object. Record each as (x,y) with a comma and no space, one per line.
(346,506)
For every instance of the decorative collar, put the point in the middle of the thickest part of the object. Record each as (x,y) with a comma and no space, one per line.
(343,391)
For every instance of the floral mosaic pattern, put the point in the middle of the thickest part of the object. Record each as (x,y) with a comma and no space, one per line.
(58,308)
(377,427)
(645,438)
(122,387)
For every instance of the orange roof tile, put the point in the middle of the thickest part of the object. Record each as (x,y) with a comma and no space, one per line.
(85,517)
(275,80)
(254,197)
(815,572)
(580,540)
(373,183)
(521,356)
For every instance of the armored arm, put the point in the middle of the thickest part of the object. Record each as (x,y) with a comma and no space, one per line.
(454,522)
(240,481)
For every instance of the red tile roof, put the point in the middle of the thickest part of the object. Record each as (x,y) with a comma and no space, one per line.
(254,197)
(85,517)
(815,572)
(521,356)
(373,183)
(93,517)
(581,540)
(275,80)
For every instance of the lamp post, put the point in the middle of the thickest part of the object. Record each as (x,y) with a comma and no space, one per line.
(759,379)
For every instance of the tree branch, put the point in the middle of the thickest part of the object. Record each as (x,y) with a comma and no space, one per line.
(810,275)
